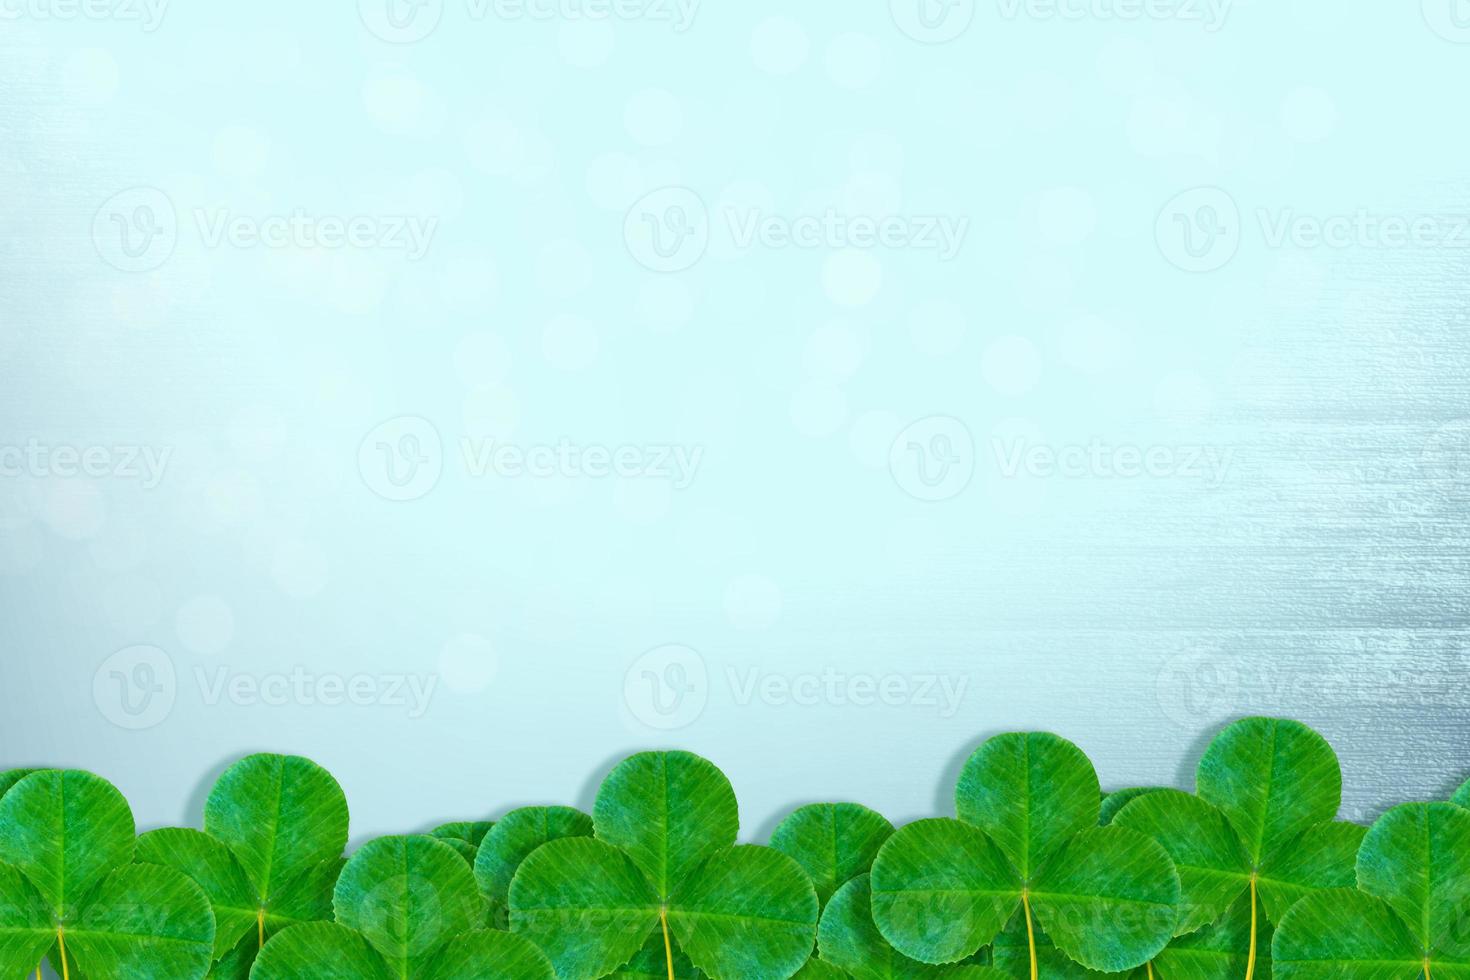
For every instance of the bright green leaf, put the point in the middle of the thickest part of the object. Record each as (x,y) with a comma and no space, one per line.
(1108,899)
(669,811)
(941,889)
(409,897)
(211,866)
(1116,801)
(487,955)
(1219,951)
(319,951)
(1214,869)
(1341,934)
(143,922)
(1323,857)
(1416,857)
(1012,956)
(586,904)
(747,912)
(281,816)
(464,837)
(65,831)
(814,970)
(1273,779)
(27,929)
(1030,792)
(833,842)
(1462,795)
(848,938)
(652,963)
(513,839)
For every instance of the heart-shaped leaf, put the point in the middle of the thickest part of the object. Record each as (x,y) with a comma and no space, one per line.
(513,839)
(65,831)
(325,951)
(1028,838)
(663,859)
(1416,857)
(1273,779)
(409,897)
(669,811)
(1030,792)
(834,842)
(848,938)
(281,816)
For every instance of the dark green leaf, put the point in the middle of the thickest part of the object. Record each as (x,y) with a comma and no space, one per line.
(319,951)
(146,922)
(1219,951)
(833,842)
(849,939)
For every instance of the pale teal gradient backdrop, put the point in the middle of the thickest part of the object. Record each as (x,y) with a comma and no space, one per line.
(1142,268)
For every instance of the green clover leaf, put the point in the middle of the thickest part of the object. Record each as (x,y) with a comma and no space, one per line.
(513,839)
(664,862)
(69,890)
(1027,839)
(834,842)
(1408,917)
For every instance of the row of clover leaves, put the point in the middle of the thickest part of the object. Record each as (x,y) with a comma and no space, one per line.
(1040,875)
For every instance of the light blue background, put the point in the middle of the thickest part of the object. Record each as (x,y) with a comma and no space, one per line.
(1324,577)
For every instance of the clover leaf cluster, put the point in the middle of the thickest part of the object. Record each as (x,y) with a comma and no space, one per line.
(1039,875)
